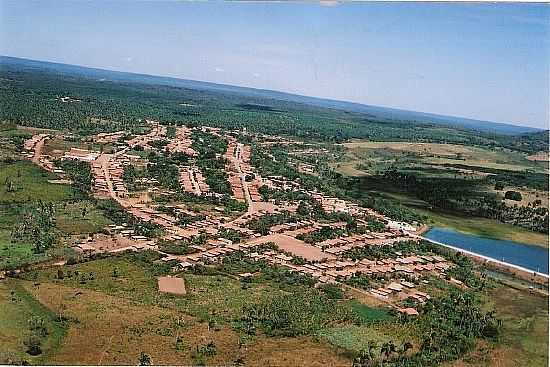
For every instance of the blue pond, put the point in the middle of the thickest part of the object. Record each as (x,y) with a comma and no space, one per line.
(530,257)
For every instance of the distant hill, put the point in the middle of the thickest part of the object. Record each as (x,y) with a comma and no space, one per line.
(374,112)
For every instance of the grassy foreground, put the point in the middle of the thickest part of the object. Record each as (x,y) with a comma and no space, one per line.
(113,312)
(524,340)
(17,307)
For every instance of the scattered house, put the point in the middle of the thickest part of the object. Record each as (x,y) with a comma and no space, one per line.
(81,155)
(409,311)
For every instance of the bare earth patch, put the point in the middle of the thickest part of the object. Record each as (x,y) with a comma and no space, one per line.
(102,242)
(295,247)
(540,156)
(171,285)
(302,351)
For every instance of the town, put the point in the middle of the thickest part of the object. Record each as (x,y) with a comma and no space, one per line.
(326,261)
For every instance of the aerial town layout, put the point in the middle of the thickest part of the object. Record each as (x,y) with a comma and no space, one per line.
(325,261)
(152,222)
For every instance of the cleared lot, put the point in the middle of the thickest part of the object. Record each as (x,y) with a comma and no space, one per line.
(295,247)
(171,285)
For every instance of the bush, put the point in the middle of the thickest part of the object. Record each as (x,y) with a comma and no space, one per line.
(38,326)
(299,314)
(513,195)
(34,345)
(332,291)
(144,359)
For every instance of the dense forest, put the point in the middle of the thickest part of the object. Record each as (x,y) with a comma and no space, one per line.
(32,97)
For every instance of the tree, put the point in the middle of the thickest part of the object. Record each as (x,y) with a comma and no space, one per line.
(10,187)
(179,343)
(144,359)
(37,326)
(37,227)
(34,345)
(333,291)
(302,209)
(513,195)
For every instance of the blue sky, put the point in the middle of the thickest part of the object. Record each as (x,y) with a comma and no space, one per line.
(484,61)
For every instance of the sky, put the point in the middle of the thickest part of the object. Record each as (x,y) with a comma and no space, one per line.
(482,61)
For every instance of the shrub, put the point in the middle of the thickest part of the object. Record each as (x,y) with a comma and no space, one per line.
(299,314)
(513,195)
(332,291)
(34,345)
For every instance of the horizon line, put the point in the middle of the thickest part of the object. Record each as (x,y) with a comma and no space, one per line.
(515,124)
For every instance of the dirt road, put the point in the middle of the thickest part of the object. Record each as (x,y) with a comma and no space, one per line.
(38,150)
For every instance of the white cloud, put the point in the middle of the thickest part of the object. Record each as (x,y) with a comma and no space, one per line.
(329,3)
(256,75)
(219,70)
(129,58)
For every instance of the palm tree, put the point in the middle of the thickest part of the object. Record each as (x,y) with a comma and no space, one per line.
(406,347)
(144,359)
(385,349)
(371,347)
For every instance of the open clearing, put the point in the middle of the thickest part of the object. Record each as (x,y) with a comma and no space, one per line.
(80,217)
(171,285)
(540,156)
(294,246)
(30,183)
(438,154)
(112,330)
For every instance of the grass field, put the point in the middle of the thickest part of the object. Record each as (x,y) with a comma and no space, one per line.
(112,330)
(31,183)
(524,340)
(17,306)
(209,297)
(434,153)
(14,254)
(525,327)
(114,318)
(368,314)
(80,217)
(219,298)
(132,281)
(57,146)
